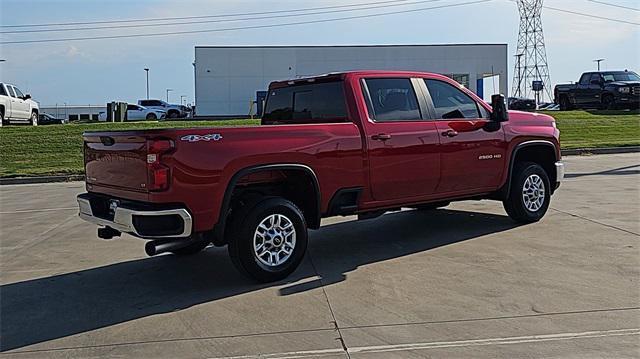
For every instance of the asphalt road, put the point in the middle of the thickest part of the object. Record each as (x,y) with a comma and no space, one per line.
(458,282)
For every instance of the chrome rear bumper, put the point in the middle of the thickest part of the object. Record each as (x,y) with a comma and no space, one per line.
(123,219)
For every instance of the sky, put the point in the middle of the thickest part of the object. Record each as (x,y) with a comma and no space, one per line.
(98,71)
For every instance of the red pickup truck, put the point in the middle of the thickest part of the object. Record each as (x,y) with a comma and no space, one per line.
(362,142)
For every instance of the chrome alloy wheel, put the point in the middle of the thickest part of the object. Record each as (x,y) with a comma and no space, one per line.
(533,193)
(274,240)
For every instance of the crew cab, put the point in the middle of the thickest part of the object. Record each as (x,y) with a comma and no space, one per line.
(16,106)
(362,143)
(172,110)
(603,90)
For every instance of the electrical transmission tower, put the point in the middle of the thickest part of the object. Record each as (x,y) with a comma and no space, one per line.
(531,56)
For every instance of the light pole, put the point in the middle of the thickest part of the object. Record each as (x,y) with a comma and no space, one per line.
(168,94)
(147,71)
(598,61)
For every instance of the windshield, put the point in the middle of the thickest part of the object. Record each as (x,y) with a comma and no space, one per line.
(620,76)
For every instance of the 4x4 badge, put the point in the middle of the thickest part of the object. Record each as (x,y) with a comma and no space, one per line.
(196,138)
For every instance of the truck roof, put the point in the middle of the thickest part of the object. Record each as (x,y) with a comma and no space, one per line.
(340,75)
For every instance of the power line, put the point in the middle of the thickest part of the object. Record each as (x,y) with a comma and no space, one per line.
(243,27)
(592,16)
(588,15)
(202,16)
(404,3)
(615,5)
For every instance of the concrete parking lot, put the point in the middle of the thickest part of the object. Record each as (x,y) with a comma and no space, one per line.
(463,281)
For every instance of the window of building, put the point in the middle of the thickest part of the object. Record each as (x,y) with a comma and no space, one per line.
(392,100)
(73,117)
(462,79)
(450,102)
(94,117)
(306,103)
(84,116)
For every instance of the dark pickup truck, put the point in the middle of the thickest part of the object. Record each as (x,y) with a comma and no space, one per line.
(358,143)
(603,90)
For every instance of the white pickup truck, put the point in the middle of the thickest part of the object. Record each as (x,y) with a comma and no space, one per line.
(17,107)
(172,110)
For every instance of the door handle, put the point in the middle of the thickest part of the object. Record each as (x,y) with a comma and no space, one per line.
(450,133)
(381,137)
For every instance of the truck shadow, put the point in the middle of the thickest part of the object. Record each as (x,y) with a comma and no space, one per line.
(43,309)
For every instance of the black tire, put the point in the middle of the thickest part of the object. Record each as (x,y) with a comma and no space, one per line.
(173,114)
(608,102)
(565,105)
(432,206)
(34,119)
(515,204)
(242,232)
(151,117)
(191,249)
(2,121)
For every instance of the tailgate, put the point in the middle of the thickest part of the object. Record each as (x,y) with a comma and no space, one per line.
(117,160)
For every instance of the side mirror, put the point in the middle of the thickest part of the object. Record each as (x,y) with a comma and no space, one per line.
(26,97)
(499,113)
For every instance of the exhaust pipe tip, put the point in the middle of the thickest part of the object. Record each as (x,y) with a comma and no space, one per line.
(150,248)
(158,246)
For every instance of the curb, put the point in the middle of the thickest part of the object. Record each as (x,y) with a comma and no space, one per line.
(70,178)
(41,179)
(600,151)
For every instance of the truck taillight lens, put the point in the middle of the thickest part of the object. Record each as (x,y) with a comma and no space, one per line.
(158,174)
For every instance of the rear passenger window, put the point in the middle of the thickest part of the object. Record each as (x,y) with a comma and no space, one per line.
(306,103)
(450,102)
(392,100)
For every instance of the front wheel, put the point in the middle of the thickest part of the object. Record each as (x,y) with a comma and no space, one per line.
(608,103)
(34,119)
(269,240)
(530,193)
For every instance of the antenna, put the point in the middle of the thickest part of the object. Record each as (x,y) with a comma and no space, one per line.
(531,64)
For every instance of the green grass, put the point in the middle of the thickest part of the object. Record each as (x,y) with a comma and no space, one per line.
(57,149)
(592,129)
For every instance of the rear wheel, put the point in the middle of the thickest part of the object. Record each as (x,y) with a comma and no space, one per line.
(151,117)
(34,119)
(268,240)
(2,121)
(529,194)
(565,105)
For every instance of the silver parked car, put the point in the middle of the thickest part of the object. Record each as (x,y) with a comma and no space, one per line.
(138,113)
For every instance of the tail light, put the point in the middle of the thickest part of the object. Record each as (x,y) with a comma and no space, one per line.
(158,174)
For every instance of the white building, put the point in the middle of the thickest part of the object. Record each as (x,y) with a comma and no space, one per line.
(227,79)
(74,112)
